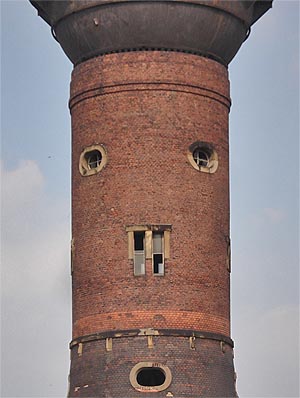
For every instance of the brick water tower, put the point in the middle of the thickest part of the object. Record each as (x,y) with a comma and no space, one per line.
(150,192)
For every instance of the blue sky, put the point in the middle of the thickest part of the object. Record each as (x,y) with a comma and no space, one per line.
(35,163)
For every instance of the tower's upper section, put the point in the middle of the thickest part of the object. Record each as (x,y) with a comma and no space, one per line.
(212,28)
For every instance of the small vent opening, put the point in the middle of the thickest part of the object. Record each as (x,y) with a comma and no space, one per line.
(150,377)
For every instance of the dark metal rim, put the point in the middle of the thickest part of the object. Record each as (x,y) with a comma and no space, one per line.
(153,332)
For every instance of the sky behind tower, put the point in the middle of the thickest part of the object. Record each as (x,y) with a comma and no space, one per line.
(35,164)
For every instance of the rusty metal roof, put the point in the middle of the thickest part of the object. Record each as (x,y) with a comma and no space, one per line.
(212,28)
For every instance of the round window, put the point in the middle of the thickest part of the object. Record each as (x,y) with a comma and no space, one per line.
(203,157)
(92,160)
(149,376)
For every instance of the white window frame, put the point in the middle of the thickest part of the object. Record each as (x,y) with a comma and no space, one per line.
(162,271)
(139,268)
(148,231)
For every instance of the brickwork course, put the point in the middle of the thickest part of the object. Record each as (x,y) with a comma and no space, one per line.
(147,98)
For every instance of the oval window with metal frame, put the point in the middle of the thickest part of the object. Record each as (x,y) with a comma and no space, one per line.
(92,160)
(203,157)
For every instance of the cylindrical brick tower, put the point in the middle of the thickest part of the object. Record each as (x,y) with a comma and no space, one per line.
(150,193)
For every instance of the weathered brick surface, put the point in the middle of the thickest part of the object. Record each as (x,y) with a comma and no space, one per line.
(152,318)
(203,372)
(147,108)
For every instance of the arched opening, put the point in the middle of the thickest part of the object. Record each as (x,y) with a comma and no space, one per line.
(150,377)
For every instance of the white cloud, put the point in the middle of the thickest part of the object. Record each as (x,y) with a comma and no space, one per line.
(267,354)
(21,188)
(35,286)
(274,215)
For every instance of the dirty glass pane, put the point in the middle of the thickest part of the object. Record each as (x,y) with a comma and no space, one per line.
(139,262)
(157,242)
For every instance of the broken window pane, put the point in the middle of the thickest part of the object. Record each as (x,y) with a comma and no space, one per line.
(158,266)
(158,262)
(157,242)
(139,263)
(139,253)
(93,159)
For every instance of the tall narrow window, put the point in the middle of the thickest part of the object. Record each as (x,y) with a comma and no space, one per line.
(158,257)
(139,253)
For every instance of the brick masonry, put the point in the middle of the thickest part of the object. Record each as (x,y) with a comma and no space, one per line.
(146,109)
(206,371)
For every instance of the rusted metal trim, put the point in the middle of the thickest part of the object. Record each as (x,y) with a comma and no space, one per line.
(200,334)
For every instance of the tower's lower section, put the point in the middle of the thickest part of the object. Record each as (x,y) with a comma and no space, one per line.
(152,363)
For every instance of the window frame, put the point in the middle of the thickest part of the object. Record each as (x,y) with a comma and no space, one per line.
(149,230)
(93,164)
(143,365)
(84,167)
(208,149)
(137,253)
(158,253)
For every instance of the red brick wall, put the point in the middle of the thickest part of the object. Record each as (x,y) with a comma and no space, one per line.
(147,108)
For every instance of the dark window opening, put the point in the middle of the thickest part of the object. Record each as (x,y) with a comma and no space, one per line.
(139,240)
(201,157)
(150,377)
(139,253)
(158,264)
(93,159)
(158,260)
